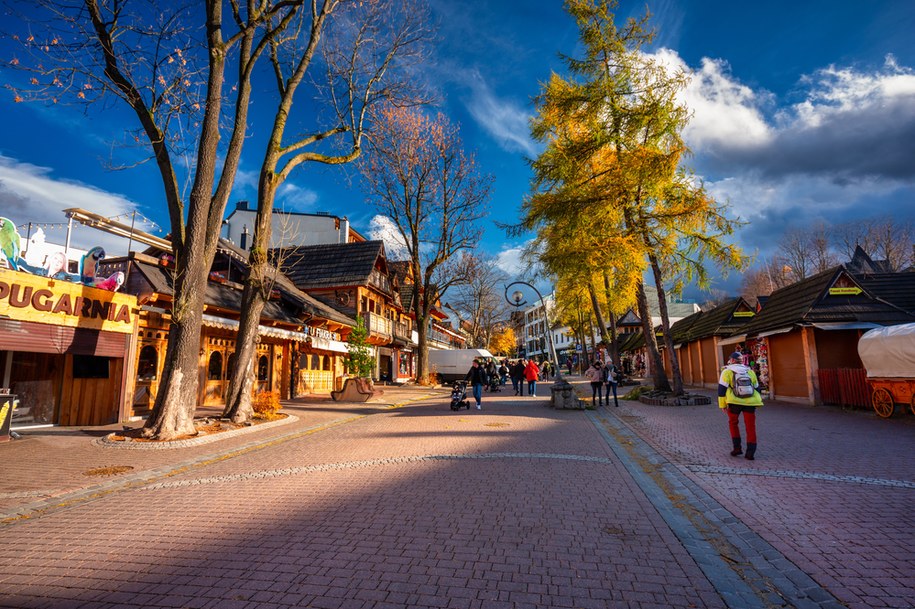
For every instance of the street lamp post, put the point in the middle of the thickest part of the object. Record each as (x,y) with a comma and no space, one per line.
(517,300)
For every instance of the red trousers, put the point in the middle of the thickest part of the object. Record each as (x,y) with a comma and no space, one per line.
(749,421)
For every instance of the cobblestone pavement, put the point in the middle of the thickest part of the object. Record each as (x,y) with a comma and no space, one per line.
(518,505)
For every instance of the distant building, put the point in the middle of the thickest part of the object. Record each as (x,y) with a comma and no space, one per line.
(289,228)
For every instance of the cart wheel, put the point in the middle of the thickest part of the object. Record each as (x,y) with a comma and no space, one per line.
(883,402)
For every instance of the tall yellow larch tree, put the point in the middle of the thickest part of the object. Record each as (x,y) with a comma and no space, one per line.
(611,168)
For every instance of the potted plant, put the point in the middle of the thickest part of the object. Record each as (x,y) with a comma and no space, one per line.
(359,361)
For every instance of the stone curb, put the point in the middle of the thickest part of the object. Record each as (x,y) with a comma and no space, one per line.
(107,442)
(698,400)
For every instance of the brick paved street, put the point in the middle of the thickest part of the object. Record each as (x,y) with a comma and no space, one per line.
(517,506)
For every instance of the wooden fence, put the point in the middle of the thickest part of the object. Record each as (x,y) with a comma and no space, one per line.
(845,387)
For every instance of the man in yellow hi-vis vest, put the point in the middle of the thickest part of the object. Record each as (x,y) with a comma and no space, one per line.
(738,392)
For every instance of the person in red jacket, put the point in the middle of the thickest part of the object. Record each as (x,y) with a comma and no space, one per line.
(532,373)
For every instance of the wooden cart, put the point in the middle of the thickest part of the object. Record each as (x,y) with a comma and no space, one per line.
(888,355)
(887,392)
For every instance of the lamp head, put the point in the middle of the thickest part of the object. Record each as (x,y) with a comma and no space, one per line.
(517,296)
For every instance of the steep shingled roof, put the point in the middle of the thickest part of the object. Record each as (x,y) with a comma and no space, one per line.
(331,265)
(896,288)
(682,331)
(722,320)
(230,298)
(810,301)
(217,295)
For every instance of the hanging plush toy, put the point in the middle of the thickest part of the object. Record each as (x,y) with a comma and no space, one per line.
(10,243)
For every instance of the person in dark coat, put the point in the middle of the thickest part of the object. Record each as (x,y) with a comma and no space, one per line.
(517,374)
(478,379)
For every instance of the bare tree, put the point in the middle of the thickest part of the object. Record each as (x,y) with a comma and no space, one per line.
(365,42)
(714,298)
(168,65)
(806,251)
(418,175)
(886,238)
(482,299)
(767,276)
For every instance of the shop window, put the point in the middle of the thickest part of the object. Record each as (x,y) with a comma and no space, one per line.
(230,363)
(303,361)
(326,363)
(263,368)
(214,370)
(148,365)
(90,367)
(315,362)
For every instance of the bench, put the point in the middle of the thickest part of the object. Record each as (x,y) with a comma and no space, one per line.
(355,390)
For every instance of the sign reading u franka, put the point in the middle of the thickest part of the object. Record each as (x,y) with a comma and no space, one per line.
(27,297)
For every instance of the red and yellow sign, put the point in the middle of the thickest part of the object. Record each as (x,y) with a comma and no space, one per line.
(26,297)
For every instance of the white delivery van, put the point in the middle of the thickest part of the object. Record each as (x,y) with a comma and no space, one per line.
(453,364)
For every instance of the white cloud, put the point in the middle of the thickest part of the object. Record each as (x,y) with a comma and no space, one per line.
(850,124)
(29,193)
(509,261)
(505,120)
(382,228)
(295,198)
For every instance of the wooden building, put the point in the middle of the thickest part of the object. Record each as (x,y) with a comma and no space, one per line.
(814,325)
(702,339)
(356,280)
(66,350)
(803,340)
(300,340)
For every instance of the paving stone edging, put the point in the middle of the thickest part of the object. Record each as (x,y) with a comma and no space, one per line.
(757,575)
(693,400)
(108,442)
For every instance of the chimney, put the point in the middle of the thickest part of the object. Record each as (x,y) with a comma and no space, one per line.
(344,230)
(244,238)
(242,205)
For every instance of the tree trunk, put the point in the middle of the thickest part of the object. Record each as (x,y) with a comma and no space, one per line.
(651,343)
(257,286)
(422,350)
(176,401)
(614,338)
(601,326)
(239,407)
(665,324)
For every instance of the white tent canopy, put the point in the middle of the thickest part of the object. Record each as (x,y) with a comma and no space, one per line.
(889,352)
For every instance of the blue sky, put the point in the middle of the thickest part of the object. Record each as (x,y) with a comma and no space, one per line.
(802,112)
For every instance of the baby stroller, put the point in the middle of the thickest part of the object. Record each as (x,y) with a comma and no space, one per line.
(459,395)
(494,385)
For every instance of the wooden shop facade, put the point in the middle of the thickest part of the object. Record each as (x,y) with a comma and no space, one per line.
(300,345)
(65,350)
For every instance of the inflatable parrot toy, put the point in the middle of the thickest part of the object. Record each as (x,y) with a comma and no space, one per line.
(10,242)
(56,264)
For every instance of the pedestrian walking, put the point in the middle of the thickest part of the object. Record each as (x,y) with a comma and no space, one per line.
(611,378)
(478,379)
(594,374)
(517,374)
(569,365)
(532,373)
(738,392)
(492,374)
(503,372)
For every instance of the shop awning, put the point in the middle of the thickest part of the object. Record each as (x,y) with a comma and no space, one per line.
(732,340)
(212,321)
(772,332)
(328,344)
(847,325)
